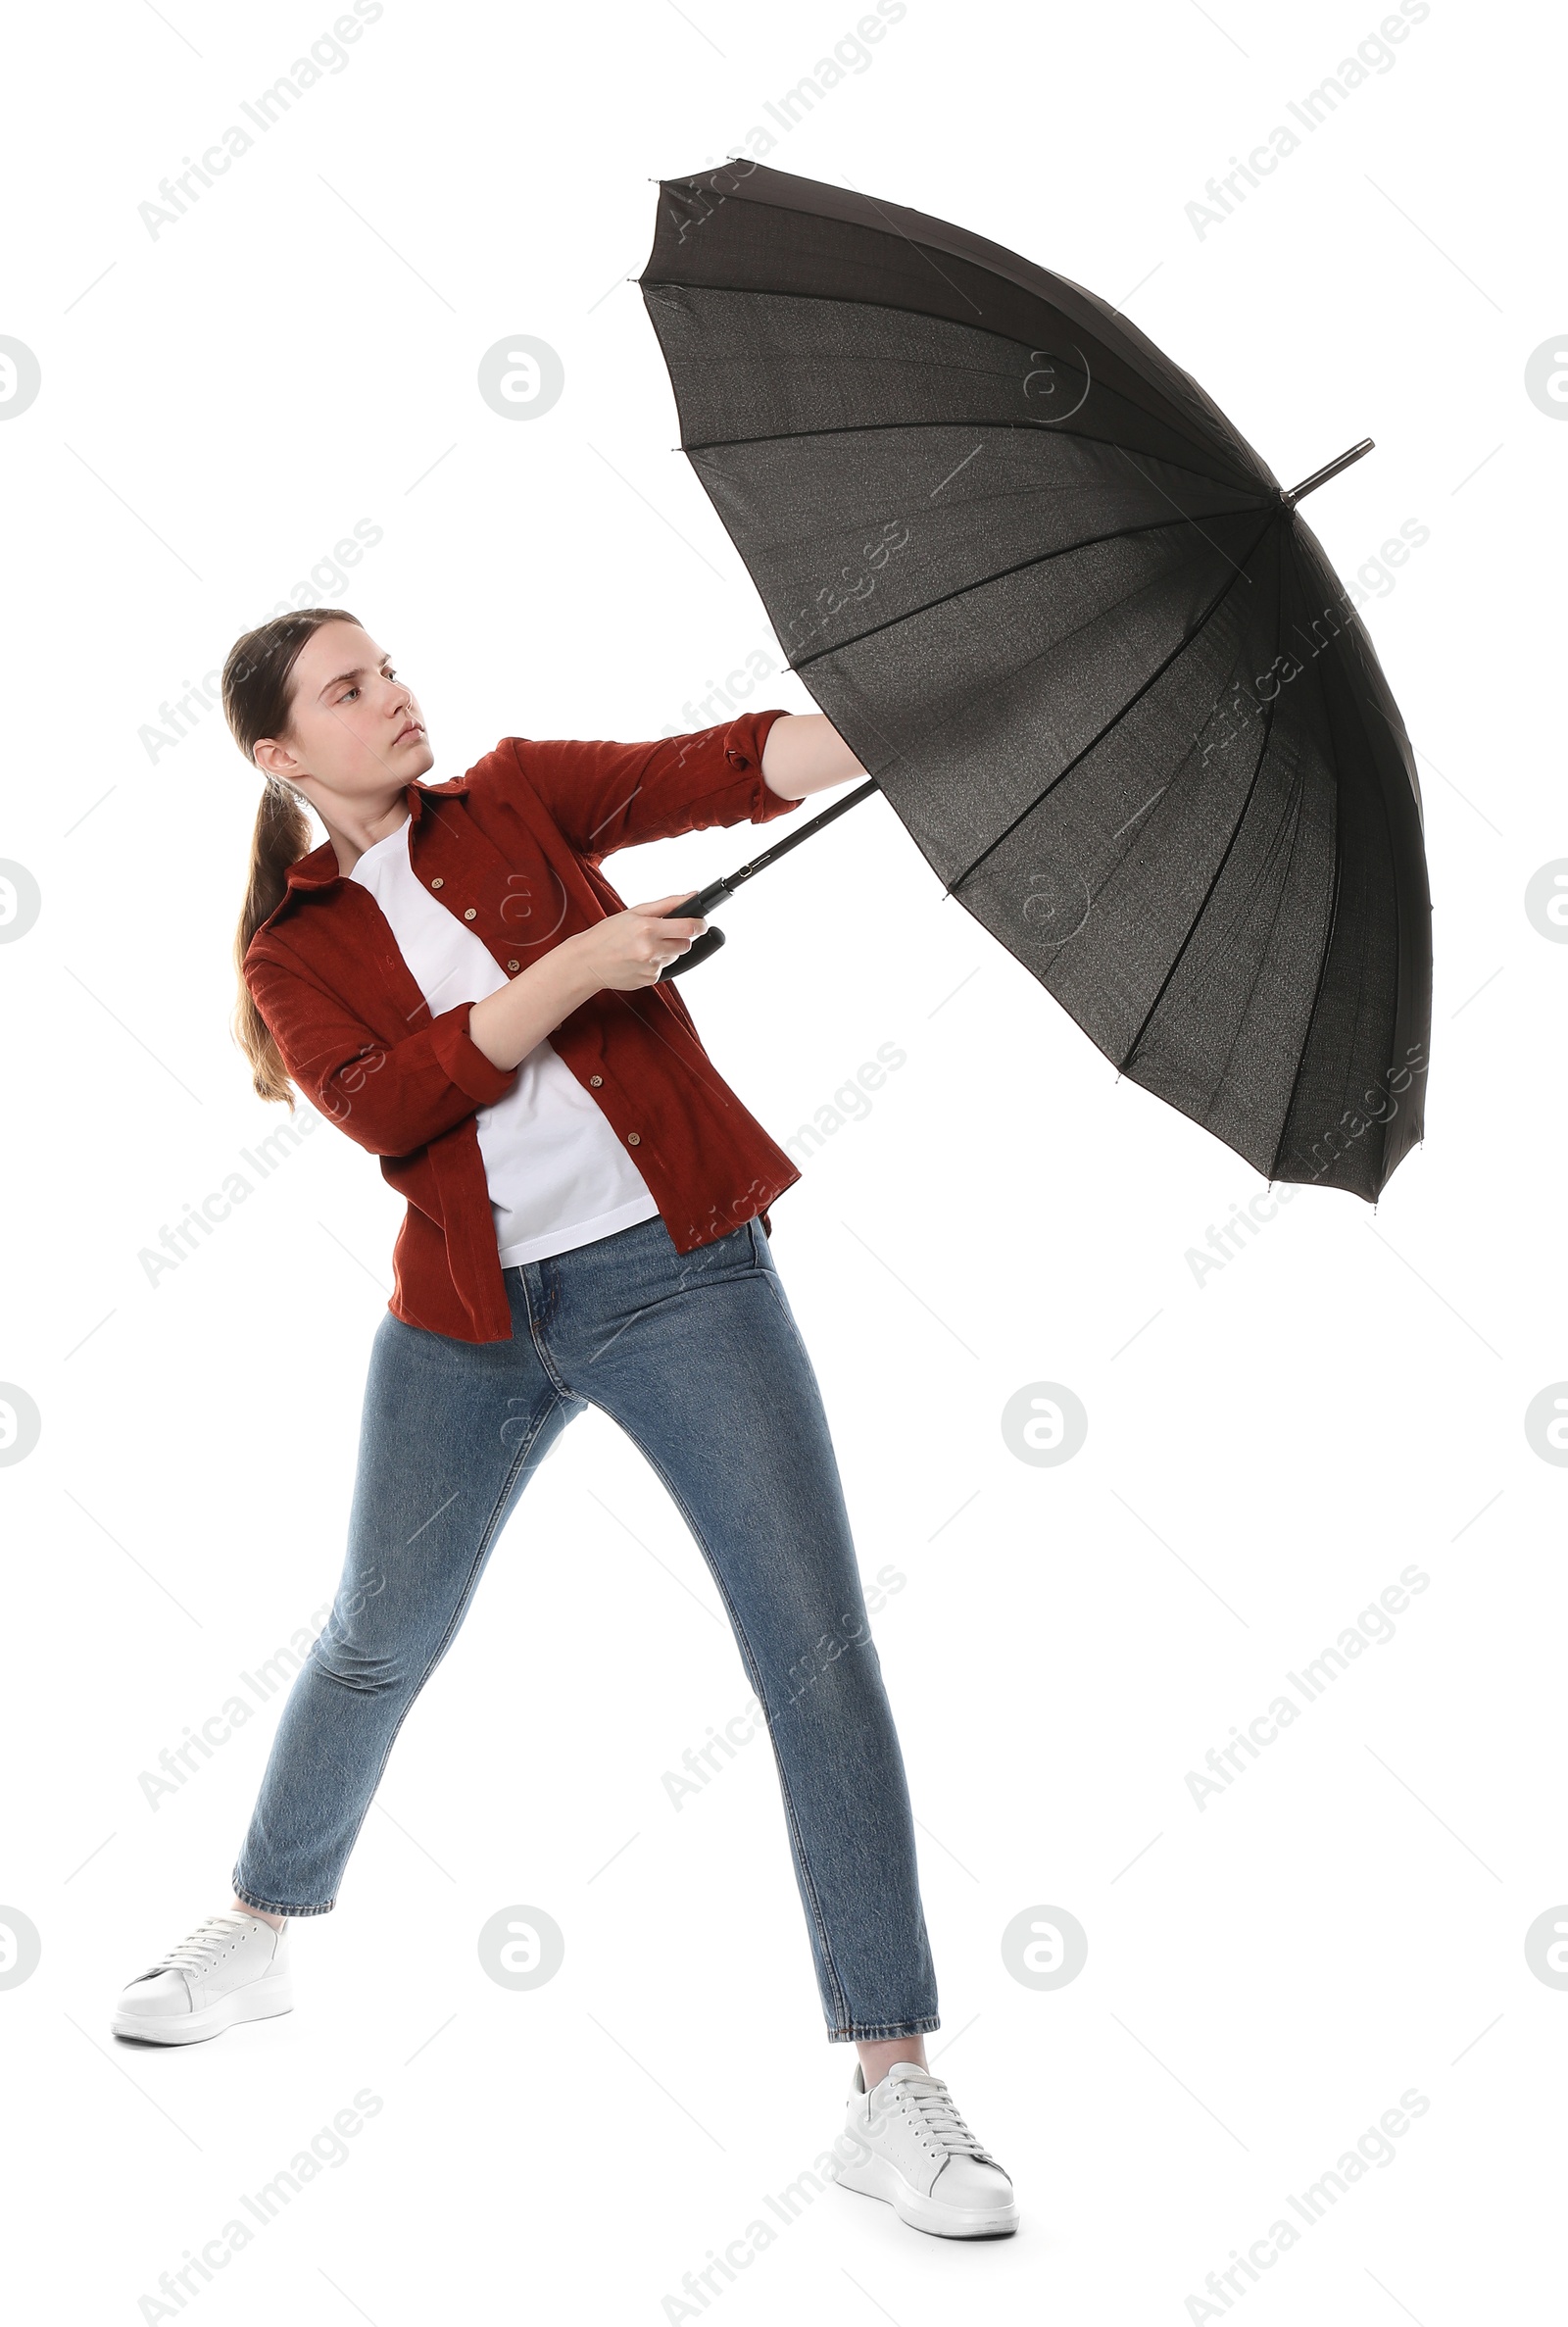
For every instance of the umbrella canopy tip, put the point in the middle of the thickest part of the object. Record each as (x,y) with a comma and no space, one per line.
(1320,476)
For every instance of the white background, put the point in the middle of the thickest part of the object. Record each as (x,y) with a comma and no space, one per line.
(1266,1451)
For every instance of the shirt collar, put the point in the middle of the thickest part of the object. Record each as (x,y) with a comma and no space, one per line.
(318,870)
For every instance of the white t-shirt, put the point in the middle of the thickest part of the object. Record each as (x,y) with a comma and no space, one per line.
(558,1175)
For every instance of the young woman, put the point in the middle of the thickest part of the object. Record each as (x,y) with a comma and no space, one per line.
(452,980)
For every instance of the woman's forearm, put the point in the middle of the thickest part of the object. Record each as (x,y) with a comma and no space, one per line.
(805,752)
(625,952)
(515,1020)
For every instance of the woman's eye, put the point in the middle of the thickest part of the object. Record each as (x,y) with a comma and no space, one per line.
(387,672)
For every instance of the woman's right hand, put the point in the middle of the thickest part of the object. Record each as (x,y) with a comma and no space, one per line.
(624,950)
(629,949)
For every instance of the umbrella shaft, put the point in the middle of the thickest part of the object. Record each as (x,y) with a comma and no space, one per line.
(716,891)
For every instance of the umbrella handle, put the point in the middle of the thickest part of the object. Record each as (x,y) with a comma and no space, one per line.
(717,892)
(695,908)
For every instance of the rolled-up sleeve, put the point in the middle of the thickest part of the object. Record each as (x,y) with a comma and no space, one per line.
(392,1098)
(609,796)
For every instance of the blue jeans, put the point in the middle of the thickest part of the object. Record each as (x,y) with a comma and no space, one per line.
(697,1357)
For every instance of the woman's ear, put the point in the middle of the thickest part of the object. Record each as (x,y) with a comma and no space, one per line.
(275,758)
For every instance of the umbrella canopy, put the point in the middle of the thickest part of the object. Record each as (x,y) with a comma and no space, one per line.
(1085,645)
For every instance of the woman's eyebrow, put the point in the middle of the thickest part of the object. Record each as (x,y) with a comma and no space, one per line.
(346,674)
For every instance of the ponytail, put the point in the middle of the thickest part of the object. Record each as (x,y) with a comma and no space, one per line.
(282,835)
(258,705)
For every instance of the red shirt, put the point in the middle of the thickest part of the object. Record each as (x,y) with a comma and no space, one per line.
(514,849)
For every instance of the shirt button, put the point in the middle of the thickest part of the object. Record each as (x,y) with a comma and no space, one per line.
(513,964)
(438,882)
(471,913)
(596,1081)
(632,1139)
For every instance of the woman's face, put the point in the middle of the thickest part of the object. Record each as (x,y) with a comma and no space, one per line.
(354,729)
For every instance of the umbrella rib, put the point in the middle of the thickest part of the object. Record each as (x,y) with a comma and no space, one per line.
(1165,496)
(1296,808)
(1293,817)
(1004,574)
(1388,839)
(1262,755)
(1317,995)
(1328,946)
(1126,1060)
(725,444)
(1150,388)
(1153,678)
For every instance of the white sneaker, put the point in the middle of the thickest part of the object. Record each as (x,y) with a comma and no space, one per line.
(911,2148)
(232,1968)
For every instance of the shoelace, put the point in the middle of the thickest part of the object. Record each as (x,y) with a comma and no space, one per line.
(936,2118)
(204,1946)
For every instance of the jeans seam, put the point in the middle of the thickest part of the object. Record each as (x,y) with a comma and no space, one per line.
(884,2029)
(540,1352)
(755,1674)
(441,1646)
(458,1609)
(787,1315)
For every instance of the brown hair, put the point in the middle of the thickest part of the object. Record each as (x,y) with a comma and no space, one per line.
(258,704)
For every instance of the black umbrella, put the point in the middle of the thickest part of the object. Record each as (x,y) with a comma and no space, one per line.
(1087,647)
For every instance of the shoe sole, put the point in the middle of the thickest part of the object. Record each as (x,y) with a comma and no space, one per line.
(877,2178)
(265,1999)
